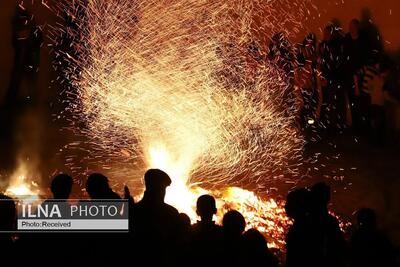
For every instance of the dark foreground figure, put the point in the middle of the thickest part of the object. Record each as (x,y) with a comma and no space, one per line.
(161,236)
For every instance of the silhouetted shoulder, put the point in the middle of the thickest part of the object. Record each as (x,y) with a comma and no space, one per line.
(332,222)
(171,209)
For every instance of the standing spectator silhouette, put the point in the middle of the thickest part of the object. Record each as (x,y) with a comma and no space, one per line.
(298,236)
(100,249)
(377,90)
(156,224)
(331,62)
(233,225)
(61,186)
(374,93)
(355,48)
(280,54)
(372,33)
(369,246)
(98,188)
(355,54)
(182,242)
(7,223)
(327,242)
(184,222)
(307,81)
(206,236)
(27,39)
(57,243)
(365,75)
(255,250)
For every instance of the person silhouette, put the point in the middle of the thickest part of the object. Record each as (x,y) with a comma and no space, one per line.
(369,246)
(206,209)
(183,242)
(100,249)
(98,188)
(27,39)
(61,186)
(7,223)
(56,243)
(233,225)
(156,224)
(206,236)
(297,207)
(184,222)
(327,241)
(255,250)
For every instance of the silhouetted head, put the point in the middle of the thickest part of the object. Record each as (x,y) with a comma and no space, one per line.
(206,208)
(354,28)
(320,196)
(307,50)
(61,186)
(279,38)
(298,203)
(97,186)
(301,58)
(233,223)
(366,218)
(156,182)
(254,241)
(310,40)
(279,45)
(337,24)
(184,221)
(329,32)
(7,213)
(366,15)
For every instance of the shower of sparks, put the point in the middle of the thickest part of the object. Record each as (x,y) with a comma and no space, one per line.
(185,86)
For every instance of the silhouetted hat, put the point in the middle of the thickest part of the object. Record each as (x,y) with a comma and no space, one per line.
(155,178)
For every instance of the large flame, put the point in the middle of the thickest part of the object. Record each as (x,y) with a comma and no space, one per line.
(268,216)
(179,194)
(22,186)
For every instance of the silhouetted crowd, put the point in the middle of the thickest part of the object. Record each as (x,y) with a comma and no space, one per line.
(161,236)
(344,81)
